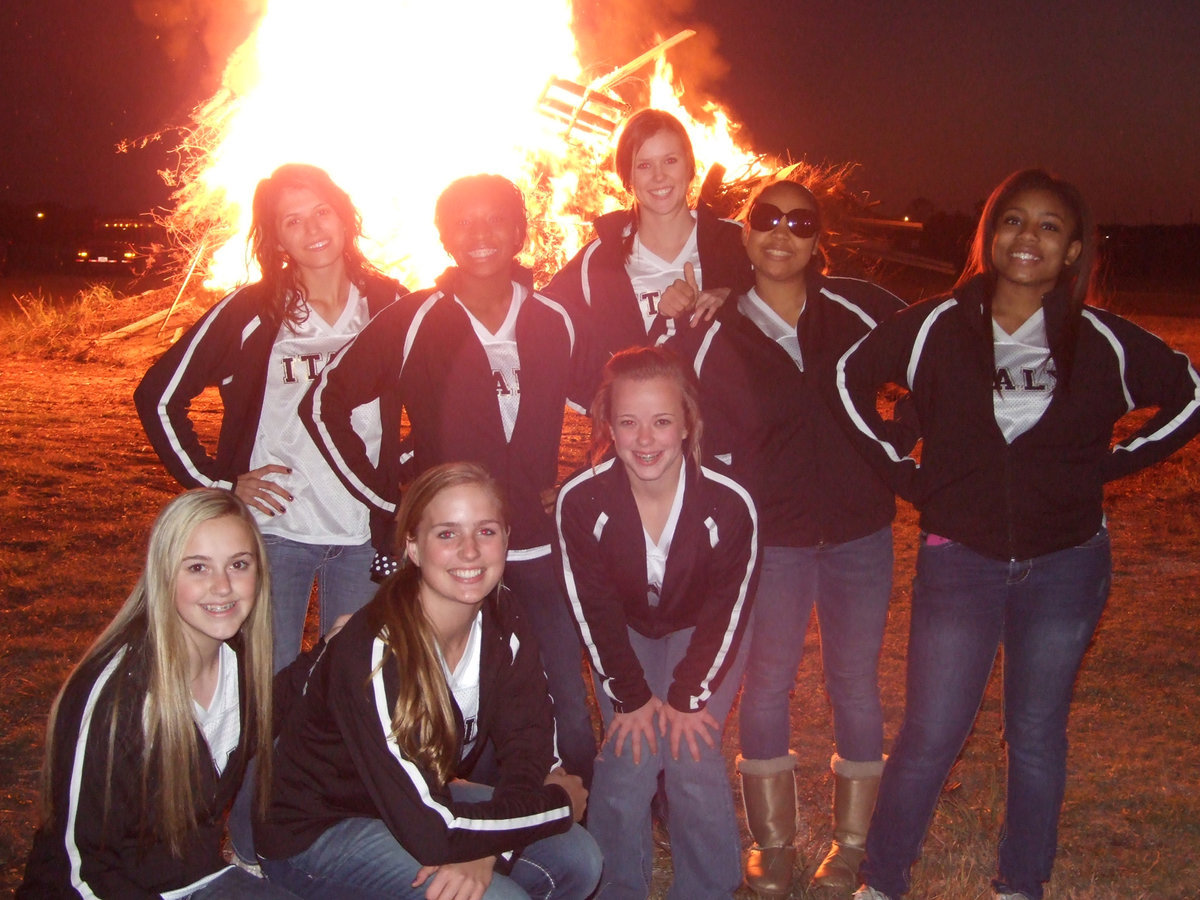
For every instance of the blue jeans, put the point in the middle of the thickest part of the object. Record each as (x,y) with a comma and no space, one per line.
(344,585)
(534,582)
(1044,610)
(359,859)
(234,884)
(705,841)
(850,584)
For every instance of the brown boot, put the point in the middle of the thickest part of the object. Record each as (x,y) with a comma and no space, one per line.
(769,792)
(855,785)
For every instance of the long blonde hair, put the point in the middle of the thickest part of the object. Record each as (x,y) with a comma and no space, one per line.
(153,677)
(423,722)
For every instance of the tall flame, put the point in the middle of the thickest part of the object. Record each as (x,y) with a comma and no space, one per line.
(395,100)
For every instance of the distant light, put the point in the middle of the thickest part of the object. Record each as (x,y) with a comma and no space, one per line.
(41,215)
(906,218)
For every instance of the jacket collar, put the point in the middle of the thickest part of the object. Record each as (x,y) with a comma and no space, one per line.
(691,474)
(611,226)
(520,274)
(975,297)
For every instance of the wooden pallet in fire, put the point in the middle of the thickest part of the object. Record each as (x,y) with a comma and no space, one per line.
(593,109)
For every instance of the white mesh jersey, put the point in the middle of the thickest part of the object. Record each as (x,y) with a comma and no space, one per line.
(464,683)
(773,325)
(650,274)
(504,359)
(1025,376)
(657,552)
(221,723)
(323,511)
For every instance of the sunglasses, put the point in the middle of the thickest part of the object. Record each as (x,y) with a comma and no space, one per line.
(766,217)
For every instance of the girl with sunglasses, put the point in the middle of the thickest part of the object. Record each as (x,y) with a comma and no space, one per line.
(826,525)
(659,261)
(1018,383)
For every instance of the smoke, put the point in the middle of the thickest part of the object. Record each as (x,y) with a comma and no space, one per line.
(199,35)
(610,33)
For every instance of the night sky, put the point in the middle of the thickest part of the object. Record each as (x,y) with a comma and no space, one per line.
(934,99)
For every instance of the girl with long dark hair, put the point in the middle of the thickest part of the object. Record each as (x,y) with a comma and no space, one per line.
(262,346)
(1017,381)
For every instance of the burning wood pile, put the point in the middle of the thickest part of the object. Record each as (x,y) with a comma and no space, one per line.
(551,134)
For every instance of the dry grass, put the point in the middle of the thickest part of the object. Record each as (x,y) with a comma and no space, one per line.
(56,329)
(81,486)
(71,328)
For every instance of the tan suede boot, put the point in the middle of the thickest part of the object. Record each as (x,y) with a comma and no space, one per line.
(855,785)
(769,792)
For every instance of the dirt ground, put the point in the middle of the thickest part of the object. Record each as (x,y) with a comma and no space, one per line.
(79,486)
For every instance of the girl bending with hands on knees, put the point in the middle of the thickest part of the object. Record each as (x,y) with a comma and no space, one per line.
(263,346)
(150,736)
(825,524)
(660,261)
(369,797)
(1017,383)
(659,555)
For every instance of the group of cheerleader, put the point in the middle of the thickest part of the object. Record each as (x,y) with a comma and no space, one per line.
(437,742)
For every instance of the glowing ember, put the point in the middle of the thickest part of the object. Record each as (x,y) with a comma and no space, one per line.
(396,100)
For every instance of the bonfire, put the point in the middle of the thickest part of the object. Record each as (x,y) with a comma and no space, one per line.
(396,100)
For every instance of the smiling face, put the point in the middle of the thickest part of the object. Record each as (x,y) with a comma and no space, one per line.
(661,174)
(459,546)
(778,254)
(1033,240)
(217,581)
(310,231)
(649,426)
(483,232)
